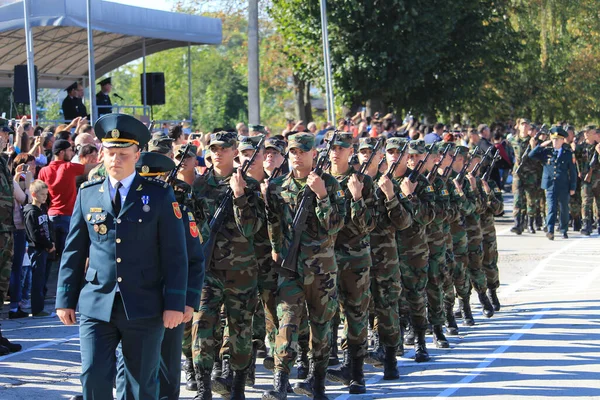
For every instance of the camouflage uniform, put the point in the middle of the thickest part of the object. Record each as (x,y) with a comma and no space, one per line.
(526,184)
(6,227)
(314,285)
(475,239)
(590,191)
(231,274)
(494,206)
(575,202)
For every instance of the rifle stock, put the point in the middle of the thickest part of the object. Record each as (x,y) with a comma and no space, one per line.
(488,172)
(414,174)
(437,165)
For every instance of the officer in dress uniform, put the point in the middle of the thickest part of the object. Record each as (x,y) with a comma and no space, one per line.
(72,104)
(559,178)
(103,98)
(136,284)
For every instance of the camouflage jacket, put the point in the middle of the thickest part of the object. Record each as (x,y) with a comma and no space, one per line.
(7,200)
(187,197)
(531,171)
(394,215)
(444,209)
(360,215)
(584,154)
(325,219)
(494,206)
(473,220)
(234,245)
(466,203)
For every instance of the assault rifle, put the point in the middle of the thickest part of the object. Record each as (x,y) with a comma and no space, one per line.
(477,166)
(449,167)
(437,165)
(390,172)
(414,174)
(486,175)
(183,154)
(217,220)
(463,172)
(299,226)
(525,156)
(277,171)
(365,166)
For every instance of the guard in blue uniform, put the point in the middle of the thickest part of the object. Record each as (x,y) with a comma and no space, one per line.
(103,98)
(155,166)
(135,286)
(559,178)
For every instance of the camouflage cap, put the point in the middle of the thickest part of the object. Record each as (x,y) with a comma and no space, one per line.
(525,121)
(367,143)
(462,150)
(432,148)
(558,132)
(257,128)
(343,139)
(303,141)
(442,146)
(223,139)
(276,144)
(395,143)
(249,142)
(160,143)
(416,147)
(476,152)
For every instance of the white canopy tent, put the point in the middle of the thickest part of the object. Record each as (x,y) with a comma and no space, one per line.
(59,38)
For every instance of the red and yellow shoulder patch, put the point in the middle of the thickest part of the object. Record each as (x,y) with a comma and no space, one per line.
(176,210)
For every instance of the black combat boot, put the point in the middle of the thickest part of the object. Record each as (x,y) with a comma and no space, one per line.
(12,347)
(494,299)
(357,381)
(488,309)
(190,375)
(403,329)
(318,392)
(539,221)
(531,227)
(217,368)
(333,352)
(237,386)
(222,384)
(409,338)
(577,224)
(421,354)
(467,314)
(261,348)
(439,339)
(390,365)
(305,387)
(280,384)
(451,326)
(376,357)
(251,372)
(302,364)
(342,374)
(587,227)
(517,226)
(203,384)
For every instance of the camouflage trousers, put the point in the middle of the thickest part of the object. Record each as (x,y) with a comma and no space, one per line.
(436,275)
(414,269)
(6,259)
(490,257)
(457,272)
(575,201)
(526,198)
(475,273)
(314,294)
(385,291)
(265,322)
(353,295)
(590,196)
(237,291)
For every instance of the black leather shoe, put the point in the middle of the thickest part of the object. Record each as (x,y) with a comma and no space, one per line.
(12,347)
(565,236)
(550,235)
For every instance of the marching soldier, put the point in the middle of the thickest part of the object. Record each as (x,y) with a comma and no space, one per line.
(575,201)
(123,294)
(353,257)
(314,284)
(559,180)
(589,168)
(103,97)
(231,273)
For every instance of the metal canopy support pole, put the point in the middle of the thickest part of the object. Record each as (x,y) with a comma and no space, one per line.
(91,64)
(144,100)
(30,62)
(327,65)
(190,82)
(253,64)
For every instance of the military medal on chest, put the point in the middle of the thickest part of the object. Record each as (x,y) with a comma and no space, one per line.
(145,200)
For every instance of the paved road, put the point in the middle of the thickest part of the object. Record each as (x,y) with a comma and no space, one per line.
(545,342)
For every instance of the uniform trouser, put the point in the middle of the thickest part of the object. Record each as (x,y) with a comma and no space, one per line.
(475,272)
(237,290)
(385,293)
(590,195)
(575,202)
(6,258)
(186,341)
(265,322)
(435,281)
(414,269)
(490,258)
(458,271)
(558,201)
(315,293)
(353,294)
(99,340)
(526,197)
(170,368)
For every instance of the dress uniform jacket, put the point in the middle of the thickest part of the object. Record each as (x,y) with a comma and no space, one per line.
(72,108)
(103,100)
(142,250)
(560,172)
